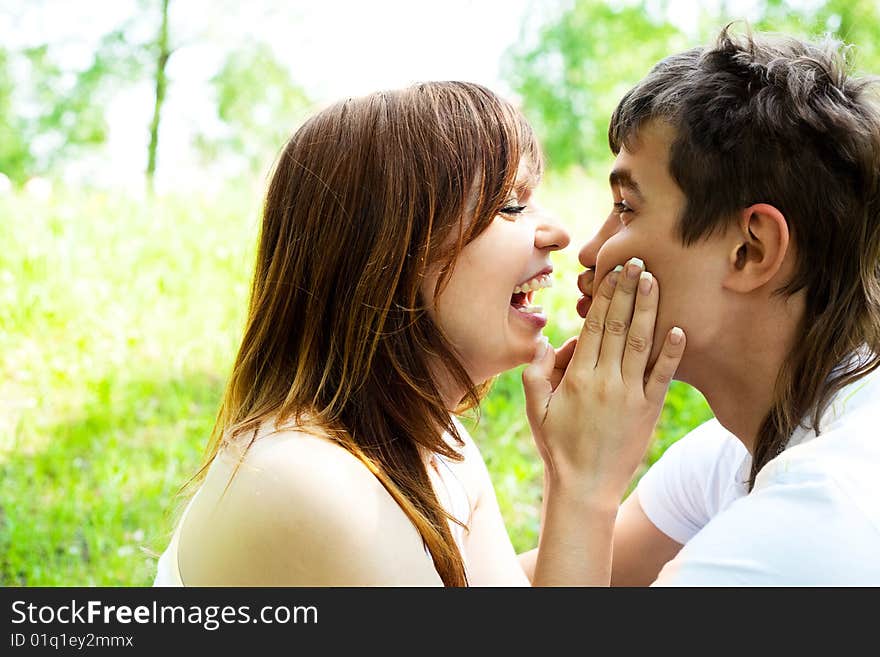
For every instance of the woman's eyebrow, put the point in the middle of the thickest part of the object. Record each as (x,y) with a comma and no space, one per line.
(528,182)
(624,178)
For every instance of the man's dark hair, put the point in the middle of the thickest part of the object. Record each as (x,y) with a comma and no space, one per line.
(777,120)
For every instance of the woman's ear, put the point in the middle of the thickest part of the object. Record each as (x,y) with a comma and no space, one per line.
(760,244)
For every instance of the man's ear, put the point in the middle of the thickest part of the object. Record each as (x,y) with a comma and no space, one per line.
(760,243)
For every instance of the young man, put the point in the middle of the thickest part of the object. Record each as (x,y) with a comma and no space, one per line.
(748,180)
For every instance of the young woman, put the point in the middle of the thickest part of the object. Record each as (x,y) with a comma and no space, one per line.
(399,258)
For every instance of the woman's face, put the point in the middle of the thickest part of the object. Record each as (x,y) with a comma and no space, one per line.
(489,309)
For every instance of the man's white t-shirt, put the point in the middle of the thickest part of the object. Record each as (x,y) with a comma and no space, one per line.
(812,519)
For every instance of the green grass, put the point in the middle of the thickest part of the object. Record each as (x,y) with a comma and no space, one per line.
(119,319)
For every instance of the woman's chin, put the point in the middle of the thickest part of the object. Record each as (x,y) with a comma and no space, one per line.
(526,353)
(520,353)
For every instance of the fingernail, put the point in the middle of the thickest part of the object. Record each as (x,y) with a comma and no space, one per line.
(612,278)
(645,282)
(618,268)
(634,267)
(676,335)
(638,262)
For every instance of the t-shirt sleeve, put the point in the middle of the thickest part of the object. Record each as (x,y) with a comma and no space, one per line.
(770,538)
(685,488)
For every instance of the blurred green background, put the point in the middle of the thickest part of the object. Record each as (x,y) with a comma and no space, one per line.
(122,296)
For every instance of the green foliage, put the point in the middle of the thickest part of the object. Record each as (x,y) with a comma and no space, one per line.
(588,53)
(118,322)
(586,57)
(854,22)
(51,113)
(72,117)
(259,105)
(16,160)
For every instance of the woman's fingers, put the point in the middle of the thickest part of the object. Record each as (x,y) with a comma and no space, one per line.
(563,358)
(619,317)
(589,342)
(536,378)
(664,369)
(546,370)
(597,446)
(640,338)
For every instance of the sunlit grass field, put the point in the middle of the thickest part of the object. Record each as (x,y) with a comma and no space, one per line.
(119,319)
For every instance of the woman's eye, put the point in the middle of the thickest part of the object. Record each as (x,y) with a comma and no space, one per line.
(512,209)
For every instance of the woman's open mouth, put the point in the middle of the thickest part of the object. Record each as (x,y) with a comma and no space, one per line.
(522,299)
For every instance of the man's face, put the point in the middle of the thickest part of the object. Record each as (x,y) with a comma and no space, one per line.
(642,224)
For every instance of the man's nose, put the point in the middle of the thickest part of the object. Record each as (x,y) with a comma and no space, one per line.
(590,251)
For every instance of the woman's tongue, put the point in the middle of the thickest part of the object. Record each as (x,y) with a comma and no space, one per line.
(519,299)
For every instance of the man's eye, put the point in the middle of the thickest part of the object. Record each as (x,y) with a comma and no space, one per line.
(512,209)
(620,207)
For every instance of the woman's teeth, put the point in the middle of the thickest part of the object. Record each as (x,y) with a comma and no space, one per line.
(537,283)
(522,294)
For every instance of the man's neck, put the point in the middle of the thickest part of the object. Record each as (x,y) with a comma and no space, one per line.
(737,374)
(739,403)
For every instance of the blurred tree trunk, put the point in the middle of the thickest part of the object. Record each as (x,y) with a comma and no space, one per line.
(163,52)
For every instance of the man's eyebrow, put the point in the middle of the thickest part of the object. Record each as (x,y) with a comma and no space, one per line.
(623,178)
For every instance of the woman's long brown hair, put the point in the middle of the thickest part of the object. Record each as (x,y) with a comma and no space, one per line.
(367,198)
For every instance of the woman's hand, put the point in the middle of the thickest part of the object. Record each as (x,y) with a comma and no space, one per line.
(591,405)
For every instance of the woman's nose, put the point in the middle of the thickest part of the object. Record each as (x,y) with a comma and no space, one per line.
(550,234)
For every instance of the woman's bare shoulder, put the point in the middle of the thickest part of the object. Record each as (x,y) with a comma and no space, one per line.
(299,510)
(284,452)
